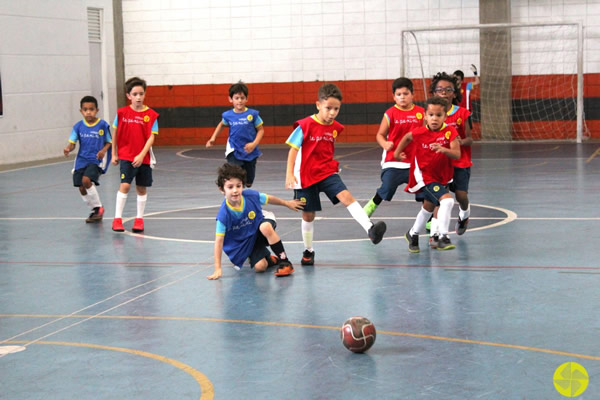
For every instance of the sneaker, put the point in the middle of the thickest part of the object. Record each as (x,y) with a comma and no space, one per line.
(370,207)
(445,243)
(96,215)
(434,241)
(117,225)
(376,231)
(413,242)
(138,225)
(285,268)
(461,226)
(272,260)
(308,258)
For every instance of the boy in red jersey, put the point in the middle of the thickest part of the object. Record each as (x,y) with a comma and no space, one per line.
(134,130)
(436,145)
(466,87)
(397,122)
(443,85)
(311,169)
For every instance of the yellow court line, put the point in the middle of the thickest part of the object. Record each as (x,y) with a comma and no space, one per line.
(590,158)
(336,328)
(206,386)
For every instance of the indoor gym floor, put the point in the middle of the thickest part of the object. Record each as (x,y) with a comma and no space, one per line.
(102,315)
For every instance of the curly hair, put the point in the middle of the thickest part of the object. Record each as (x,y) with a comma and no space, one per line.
(442,76)
(230,171)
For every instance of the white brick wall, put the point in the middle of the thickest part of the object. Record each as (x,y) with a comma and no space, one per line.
(208,41)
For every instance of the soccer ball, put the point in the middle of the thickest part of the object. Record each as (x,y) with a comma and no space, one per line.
(358,334)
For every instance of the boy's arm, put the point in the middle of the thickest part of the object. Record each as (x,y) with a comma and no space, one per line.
(295,205)
(468,140)
(452,152)
(382,135)
(399,153)
(218,130)
(290,179)
(218,251)
(139,159)
(249,147)
(115,153)
(68,149)
(103,151)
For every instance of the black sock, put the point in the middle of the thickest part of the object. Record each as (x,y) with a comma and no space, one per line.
(377,199)
(279,250)
(270,262)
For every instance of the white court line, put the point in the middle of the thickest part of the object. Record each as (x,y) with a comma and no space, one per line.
(37,166)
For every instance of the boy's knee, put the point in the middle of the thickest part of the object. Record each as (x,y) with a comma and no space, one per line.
(345,197)
(261,266)
(86,182)
(308,216)
(266,228)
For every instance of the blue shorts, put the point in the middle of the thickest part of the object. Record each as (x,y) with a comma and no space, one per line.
(461,179)
(391,178)
(248,166)
(260,249)
(92,171)
(433,192)
(142,174)
(331,186)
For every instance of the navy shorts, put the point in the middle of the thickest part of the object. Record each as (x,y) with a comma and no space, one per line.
(391,178)
(248,166)
(331,186)
(260,249)
(434,191)
(142,174)
(461,179)
(92,171)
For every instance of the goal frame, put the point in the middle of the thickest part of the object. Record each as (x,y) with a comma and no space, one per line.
(578,25)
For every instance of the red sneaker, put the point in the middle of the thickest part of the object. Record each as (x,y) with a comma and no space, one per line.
(138,225)
(96,215)
(285,268)
(117,225)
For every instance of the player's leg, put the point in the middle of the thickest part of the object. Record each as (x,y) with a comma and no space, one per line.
(143,180)
(310,196)
(461,184)
(260,257)
(127,174)
(250,167)
(267,229)
(412,236)
(391,178)
(91,177)
(78,183)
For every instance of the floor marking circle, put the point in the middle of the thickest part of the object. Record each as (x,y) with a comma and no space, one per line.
(206,386)
(571,379)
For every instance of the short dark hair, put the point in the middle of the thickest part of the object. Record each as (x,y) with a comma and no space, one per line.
(437,101)
(133,82)
(88,99)
(328,90)
(239,87)
(459,73)
(442,76)
(402,82)
(229,171)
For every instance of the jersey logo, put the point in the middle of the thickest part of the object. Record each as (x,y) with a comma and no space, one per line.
(146,118)
(459,121)
(436,188)
(251,215)
(419,115)
(249,117)
(101,132)
(447,135)
(334,133)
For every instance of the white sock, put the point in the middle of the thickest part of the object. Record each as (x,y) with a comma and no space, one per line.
(464,214)
(360,216)
(444,214)
(86,199)
(141,205)
(419,225)
(435,227)
(94,197)
(308,229)
(121,199)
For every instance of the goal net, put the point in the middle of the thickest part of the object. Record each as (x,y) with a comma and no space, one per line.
(531,76)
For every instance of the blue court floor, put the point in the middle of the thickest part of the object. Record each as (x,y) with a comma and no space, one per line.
(86,313)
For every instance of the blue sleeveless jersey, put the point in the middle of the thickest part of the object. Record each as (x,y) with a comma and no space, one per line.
(92,139)
(240,226)
(242,130)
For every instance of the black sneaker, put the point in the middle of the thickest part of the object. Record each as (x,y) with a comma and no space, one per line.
(96,215)
(376,231)
(413,242)
(445,243)
(285,268)
(308,258)
(434,241)
(461,226)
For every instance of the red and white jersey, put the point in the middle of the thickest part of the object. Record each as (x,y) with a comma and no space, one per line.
(315,143)
(133,130)
(428,166)
(400,122)
(457,118)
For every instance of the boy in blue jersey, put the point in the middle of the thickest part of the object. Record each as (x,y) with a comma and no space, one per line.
(93,157)
(245,132)
(244,229)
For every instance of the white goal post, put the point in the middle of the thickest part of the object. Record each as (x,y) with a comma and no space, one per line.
(531,75)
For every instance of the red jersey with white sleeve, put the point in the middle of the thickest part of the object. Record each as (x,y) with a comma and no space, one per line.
(428,166)
(400,122)
(457,118)
(133,130)
(315,143)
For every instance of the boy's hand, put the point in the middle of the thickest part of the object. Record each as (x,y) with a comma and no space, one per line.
(388,146)
(137,161)
(115,159)
(100,154)
(210,142)
(249,147)
(295,205)
(474,69)
(216,275)
(290,181)
(436,147)
(66,150)
(402,156)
